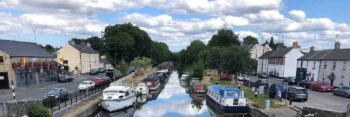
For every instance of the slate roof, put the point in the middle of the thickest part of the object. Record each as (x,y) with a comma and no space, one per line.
(266,55)
(280,52)
(84,48)
(338,54)
(23,49)
(316,55)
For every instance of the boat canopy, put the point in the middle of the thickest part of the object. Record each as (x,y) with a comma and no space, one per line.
(227,92)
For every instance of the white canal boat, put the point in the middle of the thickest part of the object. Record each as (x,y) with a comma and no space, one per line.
(142,88)
(118,97)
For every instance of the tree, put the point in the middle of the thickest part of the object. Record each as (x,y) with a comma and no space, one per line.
(280,45)
(266,42)
(193,50)
(232,59)
(159,52)
(49,48)
(118,46)
(272,44)
(224,38)
(198,69)
(249,40)
(96,43)
(141,62)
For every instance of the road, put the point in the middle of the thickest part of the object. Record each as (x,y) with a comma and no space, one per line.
(39,92)
(317,99)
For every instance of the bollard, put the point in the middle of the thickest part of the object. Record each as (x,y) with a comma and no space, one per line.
(290,101)
(267,104)
(239,86)
(256,94)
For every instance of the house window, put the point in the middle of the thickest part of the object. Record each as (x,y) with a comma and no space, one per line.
(344,65)
(325,65)
(65,61)
(1,59)
(334,65)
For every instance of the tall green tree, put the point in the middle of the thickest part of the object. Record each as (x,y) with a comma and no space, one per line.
(159,52)
(193,50)
(96,43)
(272,44)
(249,40)
(224,38)
(118,46)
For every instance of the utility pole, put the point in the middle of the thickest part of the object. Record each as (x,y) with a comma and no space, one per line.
(34,35)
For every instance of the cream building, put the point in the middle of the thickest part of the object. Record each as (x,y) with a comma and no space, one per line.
(257,50)
(79,58)
(24,64)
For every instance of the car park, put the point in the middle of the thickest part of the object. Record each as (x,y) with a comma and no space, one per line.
(98,81)
(305,83)
(342,91)
(289,81)
(263,75)
(101,70)
(94,71)
(321,86)
(295,93)
(58,94)
(88,84)
(261,82)
(65,78)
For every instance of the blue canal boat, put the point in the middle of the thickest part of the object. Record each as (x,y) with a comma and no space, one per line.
(228,100)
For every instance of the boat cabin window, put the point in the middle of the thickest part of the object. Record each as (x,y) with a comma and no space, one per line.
(232,94)
(127,93)
(121,91)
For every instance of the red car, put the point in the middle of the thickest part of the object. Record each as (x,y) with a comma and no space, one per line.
(321,86)
(226,76)
(98,81)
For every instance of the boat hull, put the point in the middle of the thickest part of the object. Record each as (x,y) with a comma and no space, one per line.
(227,109)
(115,105)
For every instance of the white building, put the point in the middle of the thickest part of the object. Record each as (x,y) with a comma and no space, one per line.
(263,62)
(257,50)
(281,62)
(79,58)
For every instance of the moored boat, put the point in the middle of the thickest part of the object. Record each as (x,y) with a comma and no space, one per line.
(117,97)
(228,100)
(152,81)
(142,88)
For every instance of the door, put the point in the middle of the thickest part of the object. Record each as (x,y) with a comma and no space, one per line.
(4,81)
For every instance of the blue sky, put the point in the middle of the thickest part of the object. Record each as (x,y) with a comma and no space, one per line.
(178,22)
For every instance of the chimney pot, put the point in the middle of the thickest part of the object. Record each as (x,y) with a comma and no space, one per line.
(312,49)
(295,45)
(337,45)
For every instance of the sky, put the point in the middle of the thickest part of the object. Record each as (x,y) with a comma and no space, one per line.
(318,23)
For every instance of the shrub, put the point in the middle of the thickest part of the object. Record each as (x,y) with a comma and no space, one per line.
(36,110)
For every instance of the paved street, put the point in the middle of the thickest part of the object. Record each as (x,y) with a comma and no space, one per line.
(317,99)
(40,92)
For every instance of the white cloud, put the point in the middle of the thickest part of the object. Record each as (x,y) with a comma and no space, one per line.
(297,15)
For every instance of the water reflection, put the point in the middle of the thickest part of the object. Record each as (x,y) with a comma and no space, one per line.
(171,100)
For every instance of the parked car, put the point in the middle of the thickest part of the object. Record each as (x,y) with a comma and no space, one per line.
(226,76)
(58,94)
(94,71)
(342,91)
(264,75)
(305,83)
(261,82)
(276,90)
(88,84)
(65,78)
(289,80)
(240,77)
(295,93)
(321,86)
(101,70)
(98,81)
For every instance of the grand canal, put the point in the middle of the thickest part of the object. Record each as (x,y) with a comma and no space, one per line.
(171,100)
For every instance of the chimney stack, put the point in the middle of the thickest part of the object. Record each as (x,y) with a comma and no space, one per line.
(72,42)
(312,49)
(295,45)
(88,44)
(337,45)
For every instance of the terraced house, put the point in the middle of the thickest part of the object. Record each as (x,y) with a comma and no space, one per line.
(281,62)
(25,64)
(79,58)
(331,65)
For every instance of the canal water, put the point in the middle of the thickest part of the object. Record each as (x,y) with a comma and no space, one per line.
(172,100)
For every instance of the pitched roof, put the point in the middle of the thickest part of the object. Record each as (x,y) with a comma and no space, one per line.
(280,52)
(266,55)
(338,54)
(84,48)
(23,49)
(316,55)
(249,47)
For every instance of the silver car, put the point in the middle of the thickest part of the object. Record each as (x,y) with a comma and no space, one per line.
(342,91)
